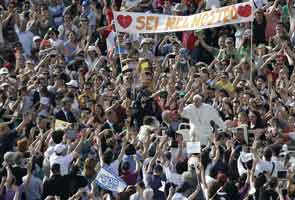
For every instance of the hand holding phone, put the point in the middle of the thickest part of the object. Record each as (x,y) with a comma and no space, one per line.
(282,174)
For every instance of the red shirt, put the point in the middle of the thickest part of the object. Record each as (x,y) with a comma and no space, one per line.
(188,40)
(109,15)
(130,178)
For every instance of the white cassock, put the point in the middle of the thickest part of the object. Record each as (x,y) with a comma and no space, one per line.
(200,120)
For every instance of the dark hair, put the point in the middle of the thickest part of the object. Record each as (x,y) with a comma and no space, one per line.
(152,150)
(74,170)
(57,136)
(273,182)
(148,120)
(125,166)
(55,168)
(158,169)
(259,122)
(261,77)
(260,180)
(242,179)
(130,149)
(267,153)
(180,167)
(205,158)
(167,155)
(108,156)
(183,187)
(167,187)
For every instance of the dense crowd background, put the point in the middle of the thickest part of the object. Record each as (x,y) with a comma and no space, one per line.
(125,95)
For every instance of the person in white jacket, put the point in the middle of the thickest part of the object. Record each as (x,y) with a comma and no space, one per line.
(200,115)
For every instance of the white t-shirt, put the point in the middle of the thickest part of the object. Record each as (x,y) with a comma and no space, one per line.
(63,161)
(292,24)
(200,120)
(49,151)
(179,196)
(26,39)
(265,166)
(173,177)
(111,43)
(239,36)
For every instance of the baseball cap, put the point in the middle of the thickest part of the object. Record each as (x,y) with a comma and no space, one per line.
(73,83)
(145,41)
(36,38)
(4,71)
(91,48)
(4,85)
(85,3)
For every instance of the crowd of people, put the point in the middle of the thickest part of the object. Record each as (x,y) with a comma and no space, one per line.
(77,97)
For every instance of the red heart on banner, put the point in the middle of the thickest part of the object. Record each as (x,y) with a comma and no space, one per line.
(245,11)
(124,21)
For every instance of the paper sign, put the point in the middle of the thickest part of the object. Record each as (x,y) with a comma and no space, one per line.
(59,124)
(193,147)
(131,22)
(162,188)
(109,181)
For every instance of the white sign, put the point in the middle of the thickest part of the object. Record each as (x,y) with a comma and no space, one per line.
(193,147)
(108,181)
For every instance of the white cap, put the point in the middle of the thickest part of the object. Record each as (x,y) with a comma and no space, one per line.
(36,38)
(73,83)
(3,71)
(145,41)
(91,48)
(4,85)
(59,148)
(44,101)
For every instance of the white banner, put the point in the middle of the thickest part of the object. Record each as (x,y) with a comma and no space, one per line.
(153,23)
(108,181)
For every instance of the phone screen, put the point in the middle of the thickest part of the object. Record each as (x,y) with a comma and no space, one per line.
(282,174)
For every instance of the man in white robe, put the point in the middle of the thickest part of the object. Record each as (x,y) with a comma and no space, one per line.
(200,115)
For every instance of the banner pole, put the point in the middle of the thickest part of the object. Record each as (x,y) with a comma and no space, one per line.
(251,53)
(118,44)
